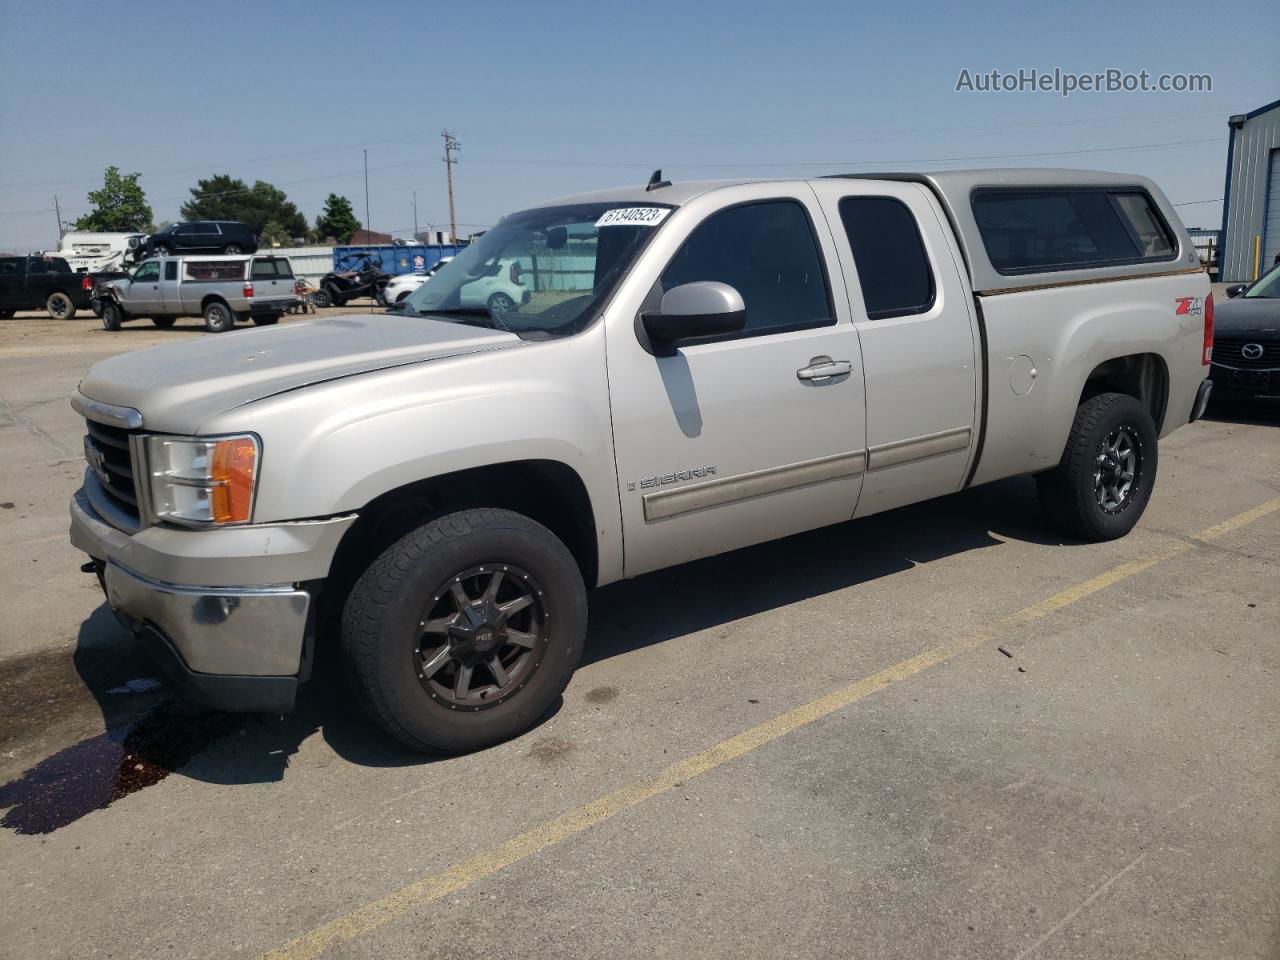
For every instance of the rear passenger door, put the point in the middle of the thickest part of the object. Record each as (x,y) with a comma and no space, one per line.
(914,315)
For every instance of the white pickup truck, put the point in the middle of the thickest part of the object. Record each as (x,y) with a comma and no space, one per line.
(696,367)
(222,289)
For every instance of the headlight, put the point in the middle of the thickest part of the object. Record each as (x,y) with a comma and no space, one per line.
(203,481)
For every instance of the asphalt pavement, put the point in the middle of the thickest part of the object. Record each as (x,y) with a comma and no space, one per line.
(939,732)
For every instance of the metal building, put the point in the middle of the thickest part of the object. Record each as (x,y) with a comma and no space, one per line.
(1251,200)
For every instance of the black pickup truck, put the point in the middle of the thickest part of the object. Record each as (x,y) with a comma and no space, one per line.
(42,283)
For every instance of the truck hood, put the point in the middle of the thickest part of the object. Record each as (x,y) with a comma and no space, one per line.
(178,387)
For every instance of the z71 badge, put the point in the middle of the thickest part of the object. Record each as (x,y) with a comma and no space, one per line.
(1188,306)
(662,479)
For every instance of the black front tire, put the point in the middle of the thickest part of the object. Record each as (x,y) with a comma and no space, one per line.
(322,298)
(383,637)
(164,323)
(112,316)
(7,314)
(1079,495)
(218,317)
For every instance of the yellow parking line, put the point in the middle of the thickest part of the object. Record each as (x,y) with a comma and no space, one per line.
(567,825)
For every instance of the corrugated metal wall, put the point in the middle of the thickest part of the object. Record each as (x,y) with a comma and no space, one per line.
(1248,197)
(309,263)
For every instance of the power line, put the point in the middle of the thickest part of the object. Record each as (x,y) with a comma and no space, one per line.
(874,136)
(649,163)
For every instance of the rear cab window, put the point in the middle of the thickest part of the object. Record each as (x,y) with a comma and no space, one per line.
(1043,229)
(888,251)
(271,268)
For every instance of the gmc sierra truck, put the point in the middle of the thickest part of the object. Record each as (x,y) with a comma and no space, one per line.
(697,367)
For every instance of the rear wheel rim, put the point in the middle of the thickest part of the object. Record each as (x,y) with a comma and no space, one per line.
(1118,469)
(481,637)
(58,306)
(233,250)
(501,303)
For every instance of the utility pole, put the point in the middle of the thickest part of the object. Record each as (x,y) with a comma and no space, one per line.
(451,148)
(415,216)
(57,209)
(366,192)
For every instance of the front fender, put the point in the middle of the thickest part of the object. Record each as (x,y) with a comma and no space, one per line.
(332,448)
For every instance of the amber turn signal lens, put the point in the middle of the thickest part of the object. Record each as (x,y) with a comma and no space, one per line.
(235,462)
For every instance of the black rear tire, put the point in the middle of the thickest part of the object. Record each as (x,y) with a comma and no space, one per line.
(164,323)
(60,306)
(7,314)
(1087,494)
(386,640)
(112,316)
(322,298)
(218,317)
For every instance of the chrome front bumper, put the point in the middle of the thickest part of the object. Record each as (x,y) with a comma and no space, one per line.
(236,646)
(228,630)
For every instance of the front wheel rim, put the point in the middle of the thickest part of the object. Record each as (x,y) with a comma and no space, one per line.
(481,637)
(1118,469)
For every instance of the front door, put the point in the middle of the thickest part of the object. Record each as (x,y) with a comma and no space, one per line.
(916,322)
(750,436)
(144,289)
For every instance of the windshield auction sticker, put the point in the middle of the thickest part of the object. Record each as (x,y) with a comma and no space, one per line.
(633,217)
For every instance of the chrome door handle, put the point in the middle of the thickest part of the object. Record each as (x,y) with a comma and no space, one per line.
(824,368)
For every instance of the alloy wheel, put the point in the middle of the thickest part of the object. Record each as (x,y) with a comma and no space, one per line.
(481,637)
(1117,470)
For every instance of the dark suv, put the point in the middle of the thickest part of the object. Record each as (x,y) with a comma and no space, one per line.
(200,236)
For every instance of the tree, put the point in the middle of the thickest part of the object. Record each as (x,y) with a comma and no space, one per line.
(273,235)
(338,220)
(222,197)
(119,206)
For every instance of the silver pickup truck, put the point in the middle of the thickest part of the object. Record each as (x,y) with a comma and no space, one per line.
(222,289)
(697,367)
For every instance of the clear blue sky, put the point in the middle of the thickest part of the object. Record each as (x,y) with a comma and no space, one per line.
(553,98)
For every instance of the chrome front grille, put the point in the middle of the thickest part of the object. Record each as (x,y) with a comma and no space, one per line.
(1231,352)
(110,459)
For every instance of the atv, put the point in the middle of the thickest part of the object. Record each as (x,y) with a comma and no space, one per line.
(363,278)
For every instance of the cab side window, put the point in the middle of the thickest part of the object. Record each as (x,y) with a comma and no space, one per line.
(893,267)
(767,252)
(171,270)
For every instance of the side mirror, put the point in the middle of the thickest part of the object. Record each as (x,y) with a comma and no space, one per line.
(1236,289)
(705,308)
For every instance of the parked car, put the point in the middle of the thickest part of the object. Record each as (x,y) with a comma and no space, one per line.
(87,252)
(713,366)
(220,289)
(1246,348)
(398,288)
(42,283)
(500,286)
(200,236)
(365,278)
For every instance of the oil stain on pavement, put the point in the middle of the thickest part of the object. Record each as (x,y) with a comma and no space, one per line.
(94,773)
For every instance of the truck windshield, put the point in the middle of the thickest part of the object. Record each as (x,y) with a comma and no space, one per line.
(541,273)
